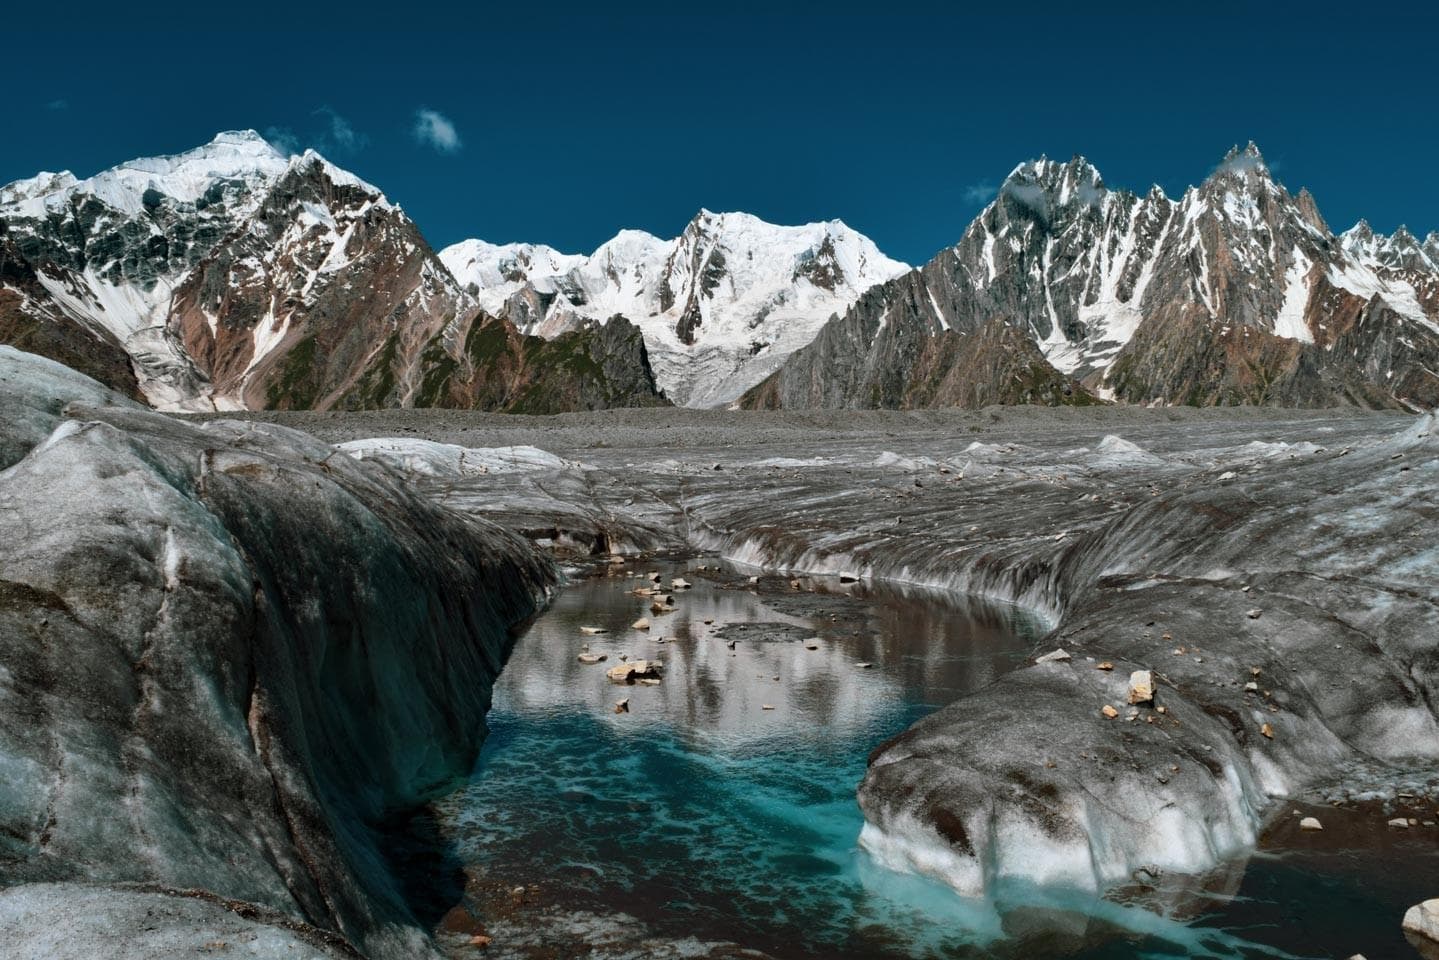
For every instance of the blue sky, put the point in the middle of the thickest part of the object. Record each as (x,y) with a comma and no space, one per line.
(560,123)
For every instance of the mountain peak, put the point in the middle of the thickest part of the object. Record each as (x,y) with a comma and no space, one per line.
(339,176)
(1249,151)
(241,138)
(1045,184)
(39,185)
(1245,164)
(1361,232)
(1075,171)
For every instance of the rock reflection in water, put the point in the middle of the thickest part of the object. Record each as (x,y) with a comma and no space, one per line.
(716,680)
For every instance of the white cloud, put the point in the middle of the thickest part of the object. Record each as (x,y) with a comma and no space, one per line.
(335,136)
(339,137)
(981,192)
(283,139)
(434,129)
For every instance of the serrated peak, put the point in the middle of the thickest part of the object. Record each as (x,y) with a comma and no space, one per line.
(1246,165)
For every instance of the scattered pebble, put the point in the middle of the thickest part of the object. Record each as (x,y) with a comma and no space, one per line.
(1055,656)
(1310,823)
(1109,711)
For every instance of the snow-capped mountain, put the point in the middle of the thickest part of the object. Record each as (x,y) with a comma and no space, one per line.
(234,276)
(721,306)
(1237,292)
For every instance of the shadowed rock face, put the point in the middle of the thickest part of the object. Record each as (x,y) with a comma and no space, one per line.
(993,364)
(592,367)
(28,321)
(226,653)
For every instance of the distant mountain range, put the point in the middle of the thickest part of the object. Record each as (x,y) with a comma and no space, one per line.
(232,276)
(1237,293)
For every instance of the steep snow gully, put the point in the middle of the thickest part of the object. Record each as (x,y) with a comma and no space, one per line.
(260,643)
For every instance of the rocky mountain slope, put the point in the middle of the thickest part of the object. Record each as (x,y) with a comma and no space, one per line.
(232,276)
(1237,292)
(720,306)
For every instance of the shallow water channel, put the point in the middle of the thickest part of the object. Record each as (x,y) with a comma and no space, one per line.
(720,807)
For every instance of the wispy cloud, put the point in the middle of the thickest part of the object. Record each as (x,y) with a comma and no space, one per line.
(60,104)
(980,193)
(339,135)
(434,129)
(1032,195)
(331,134)
(283,139)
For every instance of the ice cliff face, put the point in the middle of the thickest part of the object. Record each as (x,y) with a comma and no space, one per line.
(232,276)
(720,306)
(1236,293)
(226,653)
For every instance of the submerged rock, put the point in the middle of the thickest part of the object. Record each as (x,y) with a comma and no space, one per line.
(634,670)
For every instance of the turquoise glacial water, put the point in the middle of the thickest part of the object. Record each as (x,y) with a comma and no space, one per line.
(701,815)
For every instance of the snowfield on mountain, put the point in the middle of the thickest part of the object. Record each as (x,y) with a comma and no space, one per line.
(720,306)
